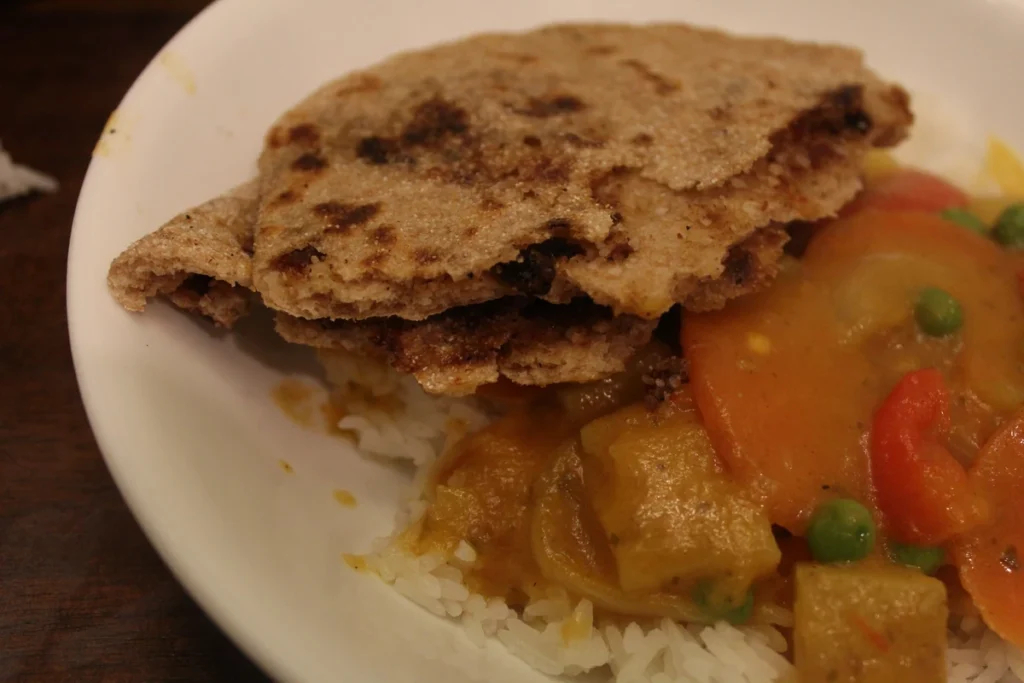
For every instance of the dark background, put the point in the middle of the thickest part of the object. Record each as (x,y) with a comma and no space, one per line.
(83,597)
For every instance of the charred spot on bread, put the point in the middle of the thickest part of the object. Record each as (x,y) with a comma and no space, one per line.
(433,121)
(339,217)
(309,162)
(534,271)
(298,260)
(376,150)
(554,105)
(304,134)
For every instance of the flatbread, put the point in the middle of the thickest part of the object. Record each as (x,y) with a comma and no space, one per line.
(201,260)
(451,176)
(454,353)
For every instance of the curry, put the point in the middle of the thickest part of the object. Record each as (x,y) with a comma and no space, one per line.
(809,456)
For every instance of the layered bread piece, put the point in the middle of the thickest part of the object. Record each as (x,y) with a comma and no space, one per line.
(616,162)
(528,206)
(456,352)
(201,260)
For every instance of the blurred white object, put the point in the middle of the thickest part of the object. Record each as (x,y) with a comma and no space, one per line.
(18,180)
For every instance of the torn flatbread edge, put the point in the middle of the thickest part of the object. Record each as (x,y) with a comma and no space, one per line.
(201,260)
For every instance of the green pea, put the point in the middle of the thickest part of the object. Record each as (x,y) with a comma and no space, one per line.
(722,605)
(841,530)
(966,219)
(938,313)
(927,559)
(1009,229)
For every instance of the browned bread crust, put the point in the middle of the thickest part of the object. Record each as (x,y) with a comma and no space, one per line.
(457,351)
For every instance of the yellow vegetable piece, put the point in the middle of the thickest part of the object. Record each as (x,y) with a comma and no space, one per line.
(869,624)
(671,513)
(878,163)
(571,549)
(1005,167)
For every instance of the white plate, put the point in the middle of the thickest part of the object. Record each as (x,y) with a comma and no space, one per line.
(183,415)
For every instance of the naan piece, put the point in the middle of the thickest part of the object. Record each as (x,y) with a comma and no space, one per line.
(618,162)
(201,260)
(454,353)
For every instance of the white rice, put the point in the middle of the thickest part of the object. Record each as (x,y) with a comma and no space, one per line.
(392,417)
(553,635)
(17,180)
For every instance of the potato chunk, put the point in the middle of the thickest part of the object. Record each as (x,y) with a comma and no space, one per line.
(671,515)
(869,624)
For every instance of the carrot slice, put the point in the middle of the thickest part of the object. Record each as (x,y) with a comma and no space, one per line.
(781,398)
(990,558)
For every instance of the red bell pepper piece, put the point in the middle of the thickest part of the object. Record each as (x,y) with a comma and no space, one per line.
(923,493)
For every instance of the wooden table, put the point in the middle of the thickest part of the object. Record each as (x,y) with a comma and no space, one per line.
(83,597)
